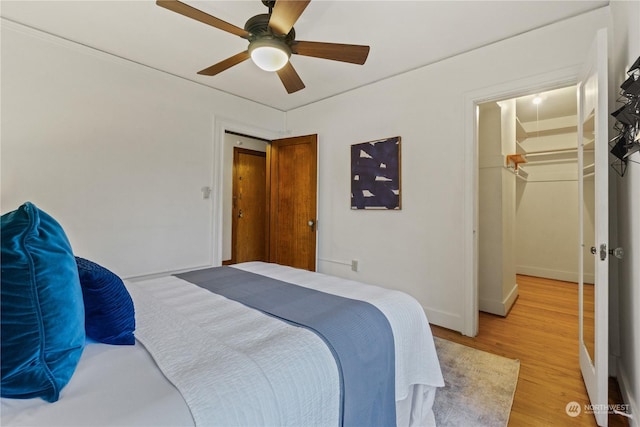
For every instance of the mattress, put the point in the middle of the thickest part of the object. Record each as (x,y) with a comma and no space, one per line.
(124,385)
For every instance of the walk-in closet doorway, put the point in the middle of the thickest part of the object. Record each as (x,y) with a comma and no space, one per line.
(527,194)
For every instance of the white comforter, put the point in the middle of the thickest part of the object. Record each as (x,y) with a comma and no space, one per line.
(235,366)
(416,358)
(219,355)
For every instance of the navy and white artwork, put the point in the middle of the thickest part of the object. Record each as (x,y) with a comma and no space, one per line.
(375,174)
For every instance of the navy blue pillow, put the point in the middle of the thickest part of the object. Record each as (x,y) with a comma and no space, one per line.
(109,312)
(42,318)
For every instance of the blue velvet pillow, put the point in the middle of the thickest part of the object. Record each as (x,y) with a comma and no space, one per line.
(42,318)
(109,312)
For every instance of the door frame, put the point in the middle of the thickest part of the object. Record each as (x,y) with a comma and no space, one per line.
(220,126)
(537,83)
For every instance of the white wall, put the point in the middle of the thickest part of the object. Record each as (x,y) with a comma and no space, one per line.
(421,249)
(547,229)
(547,214)
(625,50)
(117,152)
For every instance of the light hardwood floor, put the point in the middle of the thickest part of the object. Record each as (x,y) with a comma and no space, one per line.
(542,332)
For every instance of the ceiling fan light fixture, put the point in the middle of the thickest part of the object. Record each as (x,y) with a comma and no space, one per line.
(269,54)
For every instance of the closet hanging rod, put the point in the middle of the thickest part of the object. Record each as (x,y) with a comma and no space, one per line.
(547,152)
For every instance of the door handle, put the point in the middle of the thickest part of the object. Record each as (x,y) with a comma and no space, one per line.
(240,214)
(312,224)
(617,252)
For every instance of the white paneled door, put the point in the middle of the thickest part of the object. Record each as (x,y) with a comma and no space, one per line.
(594,226)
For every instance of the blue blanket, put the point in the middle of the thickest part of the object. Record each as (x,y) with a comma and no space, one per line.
(356,332)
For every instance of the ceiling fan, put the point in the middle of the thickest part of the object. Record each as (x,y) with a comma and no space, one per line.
(272,40)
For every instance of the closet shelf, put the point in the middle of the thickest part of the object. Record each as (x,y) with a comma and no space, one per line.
(548,156)
(588,170)
(522,174)
(553,156)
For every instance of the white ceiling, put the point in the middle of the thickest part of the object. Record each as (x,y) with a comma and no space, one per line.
(403,36)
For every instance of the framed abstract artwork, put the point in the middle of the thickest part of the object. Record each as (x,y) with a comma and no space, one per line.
(375,174)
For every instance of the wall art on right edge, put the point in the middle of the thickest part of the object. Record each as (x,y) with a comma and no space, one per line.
(375,174)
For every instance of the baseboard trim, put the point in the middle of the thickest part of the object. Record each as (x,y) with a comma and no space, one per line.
(500,308)
(140,277)
(627,397)
(491,306)
(444,319)
(565,276)
(510,299)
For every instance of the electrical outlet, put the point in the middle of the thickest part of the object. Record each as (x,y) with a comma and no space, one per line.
(354,265)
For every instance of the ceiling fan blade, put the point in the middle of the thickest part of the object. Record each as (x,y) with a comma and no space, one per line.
(353,53)
(198,15)
(285,14)
(223,65)
(290,78)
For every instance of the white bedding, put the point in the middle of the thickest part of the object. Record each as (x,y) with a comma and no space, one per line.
(235,366)
(416,358)
(122,386)
(112,386)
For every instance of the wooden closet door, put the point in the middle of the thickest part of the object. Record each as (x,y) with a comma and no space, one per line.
(293,201)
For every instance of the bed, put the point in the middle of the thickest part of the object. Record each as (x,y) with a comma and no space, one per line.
(207,358)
